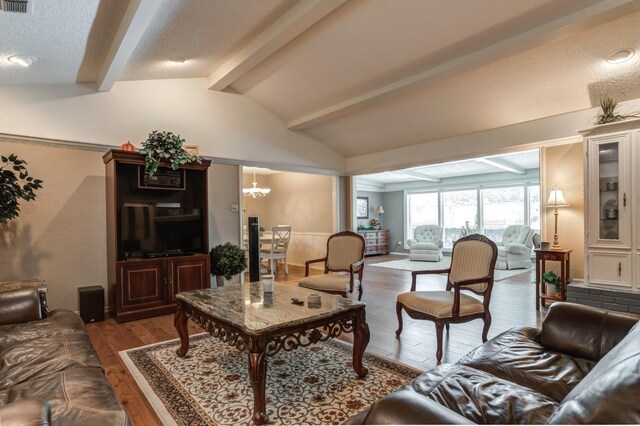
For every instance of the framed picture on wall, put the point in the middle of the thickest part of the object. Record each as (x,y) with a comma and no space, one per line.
(362,208)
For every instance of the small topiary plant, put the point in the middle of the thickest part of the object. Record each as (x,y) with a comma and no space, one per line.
(165,146)
(15,185)
(228,260)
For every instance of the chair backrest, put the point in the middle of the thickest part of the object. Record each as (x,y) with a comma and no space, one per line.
(518,234)
(281,238)
(473,256)
(344,249)
(536,241)
(427,233)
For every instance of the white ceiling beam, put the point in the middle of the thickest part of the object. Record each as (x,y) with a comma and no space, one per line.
(602,12)
(502,165)
(417,175)
(135,22)
(294,22)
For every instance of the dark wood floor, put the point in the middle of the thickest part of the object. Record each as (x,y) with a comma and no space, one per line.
(512,304)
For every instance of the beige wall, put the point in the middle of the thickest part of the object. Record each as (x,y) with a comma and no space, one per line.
(61,236)
(563,166)
(302,200)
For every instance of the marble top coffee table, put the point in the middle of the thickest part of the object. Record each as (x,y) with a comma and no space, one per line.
(263,324)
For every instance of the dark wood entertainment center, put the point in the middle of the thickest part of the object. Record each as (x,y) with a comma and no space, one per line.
(142,286)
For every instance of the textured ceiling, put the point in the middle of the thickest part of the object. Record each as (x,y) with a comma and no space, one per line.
(344,53)
(526,160)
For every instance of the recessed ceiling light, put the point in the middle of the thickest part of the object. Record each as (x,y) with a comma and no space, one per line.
(24,61)
(179,60)
(621,55)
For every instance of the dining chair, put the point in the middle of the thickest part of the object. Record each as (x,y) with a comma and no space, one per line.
(343,266)
(281,235)
(473,260)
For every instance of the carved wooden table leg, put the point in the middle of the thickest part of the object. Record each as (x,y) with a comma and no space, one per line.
(258,377)
(180,322)
(361,337)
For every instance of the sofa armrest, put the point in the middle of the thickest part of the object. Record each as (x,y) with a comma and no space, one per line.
(405,407)
(516,248)
(583,331)
(26,412)
(19,306)
(411,242)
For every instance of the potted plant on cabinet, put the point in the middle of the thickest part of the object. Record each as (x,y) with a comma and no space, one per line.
(15,185)
(552,283)
(165,146)
(227,260)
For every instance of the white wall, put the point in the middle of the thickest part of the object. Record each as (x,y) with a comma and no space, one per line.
(502,139)
(224,125)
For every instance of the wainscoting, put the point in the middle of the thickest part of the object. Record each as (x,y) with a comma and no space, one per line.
(305,246)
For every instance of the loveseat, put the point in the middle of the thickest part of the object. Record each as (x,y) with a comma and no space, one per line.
(514,250)
(582,366)
(426,244)
(49,372)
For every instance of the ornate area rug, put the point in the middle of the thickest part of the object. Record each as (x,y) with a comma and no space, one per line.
(417,265)
(313,385)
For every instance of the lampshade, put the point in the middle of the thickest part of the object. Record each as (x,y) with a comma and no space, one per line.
(380,210)
(254,191)
(556,198)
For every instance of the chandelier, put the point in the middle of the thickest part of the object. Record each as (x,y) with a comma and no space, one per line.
(255,192)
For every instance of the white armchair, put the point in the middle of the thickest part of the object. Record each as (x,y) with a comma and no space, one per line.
(426,243)
(514,251)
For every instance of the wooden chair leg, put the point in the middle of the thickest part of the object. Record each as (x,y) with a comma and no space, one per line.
(360,292)
(487,324)
(399,314)
(286,266)
(447,326)
(439,330)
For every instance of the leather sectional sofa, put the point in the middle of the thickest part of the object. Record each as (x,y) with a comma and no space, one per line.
(581,367)
(49,372)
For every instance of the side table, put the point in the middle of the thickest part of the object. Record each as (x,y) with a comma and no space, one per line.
(555,255)
(40,285)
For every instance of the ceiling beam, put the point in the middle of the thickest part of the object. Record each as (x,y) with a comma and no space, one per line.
(135,22)
(417,175)
(602,12)
(502,165)
(294,22)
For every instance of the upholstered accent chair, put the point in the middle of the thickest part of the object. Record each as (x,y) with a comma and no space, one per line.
(473,260)
(426,243)
(343,266)
(514,251)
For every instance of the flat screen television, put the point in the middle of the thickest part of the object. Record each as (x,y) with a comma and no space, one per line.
(149,230)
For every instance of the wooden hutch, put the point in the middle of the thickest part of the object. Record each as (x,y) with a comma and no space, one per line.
(144,284)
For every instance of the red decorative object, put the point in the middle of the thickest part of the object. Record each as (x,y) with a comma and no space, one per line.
(127,147)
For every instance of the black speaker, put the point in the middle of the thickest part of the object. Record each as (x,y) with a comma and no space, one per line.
(254,249)
(91,301)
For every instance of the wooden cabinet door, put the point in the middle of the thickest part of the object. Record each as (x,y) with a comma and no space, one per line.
(188,273)
(142,284)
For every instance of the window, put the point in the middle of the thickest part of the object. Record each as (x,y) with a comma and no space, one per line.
(422,209)
(501,207)
(487,211)
(459,209)
(534,207)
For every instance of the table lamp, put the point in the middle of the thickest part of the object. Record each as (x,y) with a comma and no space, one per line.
(556,199)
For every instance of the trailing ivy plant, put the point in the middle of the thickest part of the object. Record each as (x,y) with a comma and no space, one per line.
(165,146)
(15,185)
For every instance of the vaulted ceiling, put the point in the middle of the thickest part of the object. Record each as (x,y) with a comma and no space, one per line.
(360,76)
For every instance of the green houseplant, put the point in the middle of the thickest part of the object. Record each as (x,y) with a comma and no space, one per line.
(15,185)
(227,260)
(552,282)
(165,146)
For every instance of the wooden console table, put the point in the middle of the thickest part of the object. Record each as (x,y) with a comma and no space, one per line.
(555,255)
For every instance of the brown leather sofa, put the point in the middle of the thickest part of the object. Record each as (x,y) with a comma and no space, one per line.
(49,372)
(581,367)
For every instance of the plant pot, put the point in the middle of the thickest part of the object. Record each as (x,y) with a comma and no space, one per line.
(220,280)
(550,290)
